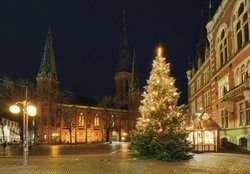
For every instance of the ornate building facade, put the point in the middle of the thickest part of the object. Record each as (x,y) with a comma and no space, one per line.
(58,122)
(218,78)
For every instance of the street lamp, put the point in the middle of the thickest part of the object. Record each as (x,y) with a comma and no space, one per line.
(28,110)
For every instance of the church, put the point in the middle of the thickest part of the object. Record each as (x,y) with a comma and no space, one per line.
(65,123)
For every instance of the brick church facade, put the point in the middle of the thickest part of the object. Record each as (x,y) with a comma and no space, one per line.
(218,78)
(57,122)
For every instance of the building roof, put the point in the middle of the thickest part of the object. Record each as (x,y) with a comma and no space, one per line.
(123,62)
(48,65)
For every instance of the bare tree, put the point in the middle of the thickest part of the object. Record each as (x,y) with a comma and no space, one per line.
(68,120)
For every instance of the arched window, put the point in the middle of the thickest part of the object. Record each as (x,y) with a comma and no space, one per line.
(96,120)
(222,47)
(81,120)
(241,26)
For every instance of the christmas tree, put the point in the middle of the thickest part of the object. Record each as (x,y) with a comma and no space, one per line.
(160,132)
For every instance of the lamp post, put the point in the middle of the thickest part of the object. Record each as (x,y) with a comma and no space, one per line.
(28,110)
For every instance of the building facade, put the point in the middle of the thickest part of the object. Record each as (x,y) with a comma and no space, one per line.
(218,79)
(58,122)
(9,131)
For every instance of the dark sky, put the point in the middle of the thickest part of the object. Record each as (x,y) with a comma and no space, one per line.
(86,37)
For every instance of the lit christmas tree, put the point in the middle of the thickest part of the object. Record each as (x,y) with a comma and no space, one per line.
(160,132)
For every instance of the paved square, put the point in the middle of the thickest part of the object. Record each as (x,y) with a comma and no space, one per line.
(121,161)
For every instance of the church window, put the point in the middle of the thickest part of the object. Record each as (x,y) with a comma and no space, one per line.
(96,120)
(81,120)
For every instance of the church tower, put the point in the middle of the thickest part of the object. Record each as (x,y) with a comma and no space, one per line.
(47,88)
(123,75)
(134,97)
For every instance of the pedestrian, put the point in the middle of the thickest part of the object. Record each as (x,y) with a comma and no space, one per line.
(4,146)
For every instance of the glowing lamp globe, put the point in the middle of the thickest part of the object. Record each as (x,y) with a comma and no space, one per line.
(31,110)
(14,109)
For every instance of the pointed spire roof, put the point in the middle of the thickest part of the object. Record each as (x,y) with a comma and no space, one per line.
(134,85)
(203,27)
(123,63)
(210,11)
(203,42)
(48,65)
(189,67)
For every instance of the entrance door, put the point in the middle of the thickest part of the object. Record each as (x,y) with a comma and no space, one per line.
(243,143)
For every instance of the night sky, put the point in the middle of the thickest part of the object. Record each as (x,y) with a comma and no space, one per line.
(86,38)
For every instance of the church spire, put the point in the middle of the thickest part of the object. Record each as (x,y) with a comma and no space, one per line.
(48,66)
(202,44)
(134,86)
(203,27)
(123,63)
(210,11)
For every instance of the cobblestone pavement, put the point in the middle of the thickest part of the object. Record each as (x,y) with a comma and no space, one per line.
(123,162)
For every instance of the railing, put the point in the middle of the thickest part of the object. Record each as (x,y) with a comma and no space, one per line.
(238,90)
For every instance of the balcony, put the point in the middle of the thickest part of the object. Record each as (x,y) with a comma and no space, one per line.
(239,92)
(235,94)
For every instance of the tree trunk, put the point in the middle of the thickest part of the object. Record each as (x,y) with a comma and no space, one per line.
(70,136)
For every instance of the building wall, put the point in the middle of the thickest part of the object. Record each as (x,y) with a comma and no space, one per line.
(89,125)
(9,131)
(122,82)
(234,95)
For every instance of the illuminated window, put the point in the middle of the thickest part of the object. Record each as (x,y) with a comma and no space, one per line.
(190,137)
(199,104)
(197,137)
(81,120)
(223,85)
(209,137)
(237,77)
(96,120)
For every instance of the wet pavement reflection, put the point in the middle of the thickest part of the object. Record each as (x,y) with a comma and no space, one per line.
(66,149)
